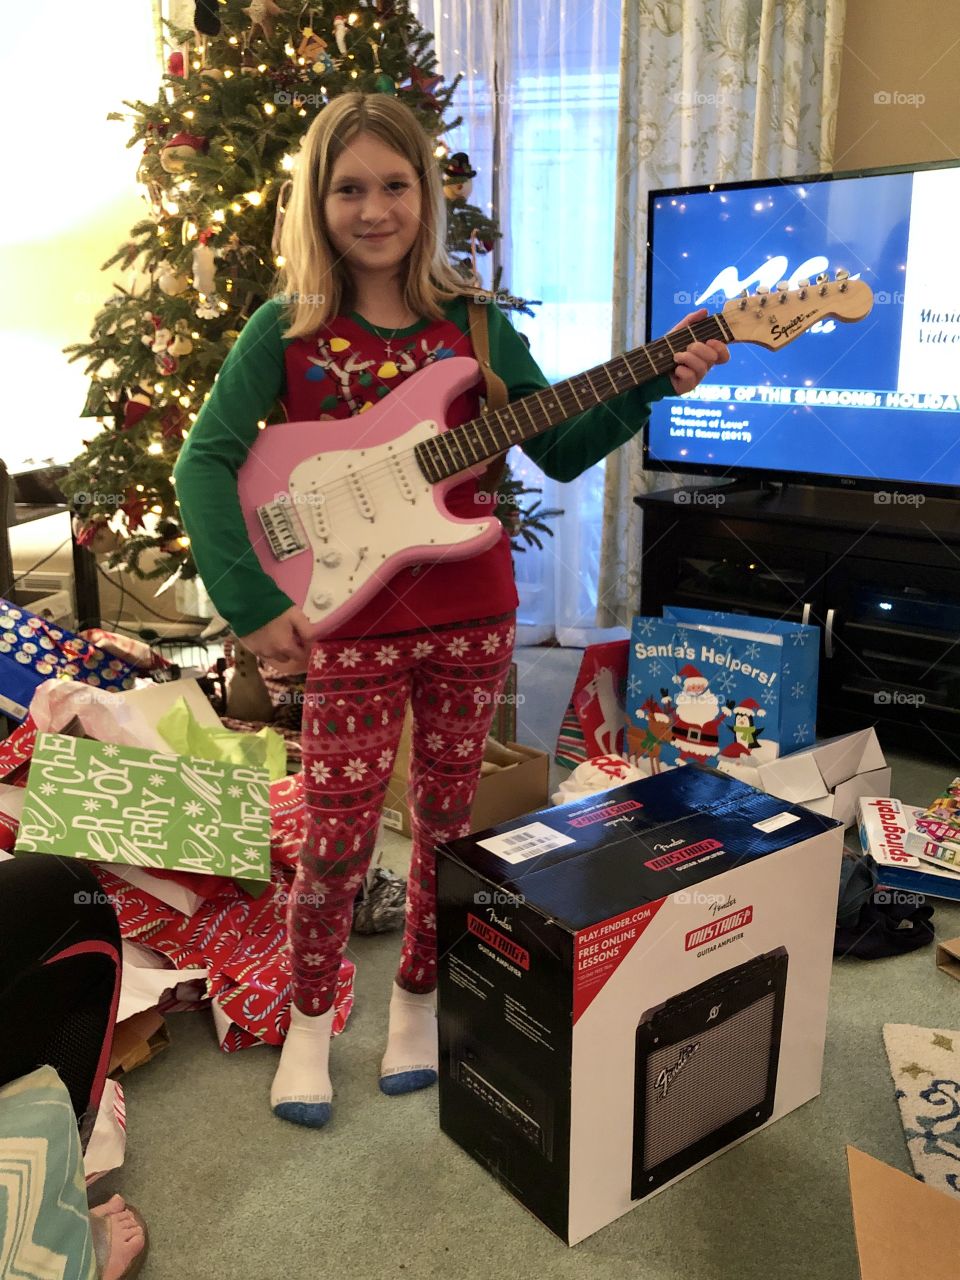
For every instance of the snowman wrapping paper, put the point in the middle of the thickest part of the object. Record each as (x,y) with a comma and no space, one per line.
(720,688)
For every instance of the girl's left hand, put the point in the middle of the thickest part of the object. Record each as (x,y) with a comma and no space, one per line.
(694,362)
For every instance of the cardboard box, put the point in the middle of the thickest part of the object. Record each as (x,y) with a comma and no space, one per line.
(829,777)
(514,781)
(948,957)
(904,1229)
(630,984)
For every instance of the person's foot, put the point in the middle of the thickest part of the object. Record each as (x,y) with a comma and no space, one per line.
(119,1238)
(410,1060)
(301,1091)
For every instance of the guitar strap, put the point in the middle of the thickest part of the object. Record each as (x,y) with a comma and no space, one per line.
(496,395)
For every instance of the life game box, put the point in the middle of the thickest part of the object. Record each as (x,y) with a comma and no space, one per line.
(629,985)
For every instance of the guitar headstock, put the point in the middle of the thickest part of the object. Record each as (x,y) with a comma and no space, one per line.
(773,317)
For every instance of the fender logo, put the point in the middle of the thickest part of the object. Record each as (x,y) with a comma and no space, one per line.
(667,1076)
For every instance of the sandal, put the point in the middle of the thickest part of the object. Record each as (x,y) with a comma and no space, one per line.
(103,1238)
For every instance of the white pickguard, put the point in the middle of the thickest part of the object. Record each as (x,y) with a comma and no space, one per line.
(357,506)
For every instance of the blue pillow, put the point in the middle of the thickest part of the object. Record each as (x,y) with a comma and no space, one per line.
(44,1218)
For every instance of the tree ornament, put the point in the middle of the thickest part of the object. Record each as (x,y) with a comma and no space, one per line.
(384,84)
(261,14)
(137,406)
(172,422)
(426,85)
(204,264)
(206,20)
(95,534)
(340,32)
(212,73)
(134,507)
(459,175)
(181,344)
(172,282)
(181,150)
(175,66)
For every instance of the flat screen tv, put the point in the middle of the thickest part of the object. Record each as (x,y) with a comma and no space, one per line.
(874,404)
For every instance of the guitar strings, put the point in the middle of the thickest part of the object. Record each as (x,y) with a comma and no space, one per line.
(638,362)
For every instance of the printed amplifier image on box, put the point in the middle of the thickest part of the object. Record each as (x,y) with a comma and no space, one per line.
(706,1069)
(514,1102)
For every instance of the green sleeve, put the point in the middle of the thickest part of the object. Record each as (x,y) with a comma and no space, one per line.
(566,451)
(249,382)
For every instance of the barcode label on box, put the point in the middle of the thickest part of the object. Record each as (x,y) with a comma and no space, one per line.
(526,842)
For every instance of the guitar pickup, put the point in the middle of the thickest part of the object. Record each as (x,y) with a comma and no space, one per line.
(282,527)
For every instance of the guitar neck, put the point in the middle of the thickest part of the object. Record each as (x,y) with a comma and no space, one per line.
(496,431)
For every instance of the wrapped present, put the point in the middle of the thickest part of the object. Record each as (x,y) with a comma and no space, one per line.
(16,751)
(33,650)
(106,803)
(128,648)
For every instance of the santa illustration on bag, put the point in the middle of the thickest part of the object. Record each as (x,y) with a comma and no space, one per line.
(696,728)
(746,732)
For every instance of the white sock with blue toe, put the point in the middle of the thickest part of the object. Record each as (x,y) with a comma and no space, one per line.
(301,1090)
(411,1058)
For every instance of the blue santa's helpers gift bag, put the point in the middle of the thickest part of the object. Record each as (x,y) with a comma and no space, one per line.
(720,687)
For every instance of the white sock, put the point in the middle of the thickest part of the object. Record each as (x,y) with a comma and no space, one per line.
(411,1058)
(302,1085)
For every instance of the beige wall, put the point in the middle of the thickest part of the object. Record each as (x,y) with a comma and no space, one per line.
(899,47)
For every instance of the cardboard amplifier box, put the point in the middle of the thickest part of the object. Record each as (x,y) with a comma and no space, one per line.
(514,779)
(630,984)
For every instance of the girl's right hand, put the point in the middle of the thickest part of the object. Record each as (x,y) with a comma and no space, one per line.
(285,638)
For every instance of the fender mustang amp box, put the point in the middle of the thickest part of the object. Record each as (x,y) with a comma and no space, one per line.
(630,984)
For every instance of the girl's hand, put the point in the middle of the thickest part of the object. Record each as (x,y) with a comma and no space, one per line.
(285,639)
(694,363)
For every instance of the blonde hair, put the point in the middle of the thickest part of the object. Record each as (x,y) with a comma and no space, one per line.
(313,278)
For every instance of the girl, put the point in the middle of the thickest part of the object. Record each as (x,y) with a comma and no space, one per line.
(368,298)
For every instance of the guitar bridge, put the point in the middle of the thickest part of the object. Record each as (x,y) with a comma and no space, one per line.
(282,527)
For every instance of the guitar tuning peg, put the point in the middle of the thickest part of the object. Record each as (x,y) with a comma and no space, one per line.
(782,286)
(842,273)
(761,289)
(803,284)
(823,277)
(742,303)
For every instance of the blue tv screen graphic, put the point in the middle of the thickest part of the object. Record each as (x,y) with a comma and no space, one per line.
(876,400)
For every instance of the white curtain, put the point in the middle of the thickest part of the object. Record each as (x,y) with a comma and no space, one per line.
(711,91)
(540,98)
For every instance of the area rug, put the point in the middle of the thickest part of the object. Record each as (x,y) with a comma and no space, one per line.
(925,1065)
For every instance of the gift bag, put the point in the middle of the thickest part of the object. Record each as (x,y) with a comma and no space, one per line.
(708,687)
(595,721)
(33,650)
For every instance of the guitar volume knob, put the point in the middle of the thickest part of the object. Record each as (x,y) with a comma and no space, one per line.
(331,559)
(322,600)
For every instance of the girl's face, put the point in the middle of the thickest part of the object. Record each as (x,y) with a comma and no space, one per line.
(372,207)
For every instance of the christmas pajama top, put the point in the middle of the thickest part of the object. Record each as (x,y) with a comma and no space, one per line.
(342,370)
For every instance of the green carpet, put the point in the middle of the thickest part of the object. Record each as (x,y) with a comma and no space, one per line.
(230,1193)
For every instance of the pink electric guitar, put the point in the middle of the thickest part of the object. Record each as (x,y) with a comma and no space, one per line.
(334,509)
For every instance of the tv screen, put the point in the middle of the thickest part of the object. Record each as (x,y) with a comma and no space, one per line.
(873,403)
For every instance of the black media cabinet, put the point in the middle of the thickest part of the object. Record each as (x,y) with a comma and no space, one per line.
(878,573)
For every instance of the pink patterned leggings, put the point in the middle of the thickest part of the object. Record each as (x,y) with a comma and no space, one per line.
(356,697)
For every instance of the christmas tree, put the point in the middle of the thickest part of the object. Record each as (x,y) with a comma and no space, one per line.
(218,147)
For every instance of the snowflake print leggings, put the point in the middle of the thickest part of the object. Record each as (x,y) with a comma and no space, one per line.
(356,696)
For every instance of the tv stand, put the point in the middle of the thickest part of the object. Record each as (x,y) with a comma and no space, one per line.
(878,573)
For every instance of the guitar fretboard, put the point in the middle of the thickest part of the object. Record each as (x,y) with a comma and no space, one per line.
(495,431)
